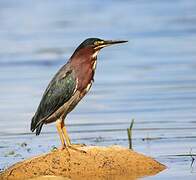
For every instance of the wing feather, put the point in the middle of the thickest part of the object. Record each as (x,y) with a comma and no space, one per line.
(59,91)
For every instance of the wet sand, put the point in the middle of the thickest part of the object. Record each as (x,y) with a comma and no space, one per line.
(93,162)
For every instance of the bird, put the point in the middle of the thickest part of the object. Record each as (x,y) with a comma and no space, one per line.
(68,86)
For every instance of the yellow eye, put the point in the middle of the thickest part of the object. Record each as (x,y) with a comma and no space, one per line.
(97,43)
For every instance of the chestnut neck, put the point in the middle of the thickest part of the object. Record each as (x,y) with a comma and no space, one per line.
(83,62)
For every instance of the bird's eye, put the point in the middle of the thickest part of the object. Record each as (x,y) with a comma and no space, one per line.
(97,43)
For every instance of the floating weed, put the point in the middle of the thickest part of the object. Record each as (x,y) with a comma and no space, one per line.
(28,150)
(190,154)
(17,155)
(150,139)
(10,153)
(53,148)
(99,139)
(24,144)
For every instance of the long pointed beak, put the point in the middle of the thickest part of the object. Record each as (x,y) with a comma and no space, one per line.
(106,43)
(111,42)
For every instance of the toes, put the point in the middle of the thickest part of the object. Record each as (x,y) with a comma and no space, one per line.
(76,149)
(61,148)
(78,145)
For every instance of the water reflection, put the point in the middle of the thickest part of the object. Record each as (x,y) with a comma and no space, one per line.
(151,79)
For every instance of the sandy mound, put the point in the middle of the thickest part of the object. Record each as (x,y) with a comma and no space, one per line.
(97,163)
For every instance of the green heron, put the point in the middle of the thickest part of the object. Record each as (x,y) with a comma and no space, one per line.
(68,87)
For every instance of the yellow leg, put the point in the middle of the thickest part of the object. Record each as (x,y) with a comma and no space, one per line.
(67,139)
(59,130)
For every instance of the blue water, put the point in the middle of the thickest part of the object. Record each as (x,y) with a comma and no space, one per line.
(151,79)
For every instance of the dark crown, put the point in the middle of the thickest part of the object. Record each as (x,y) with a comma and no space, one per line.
(88,42)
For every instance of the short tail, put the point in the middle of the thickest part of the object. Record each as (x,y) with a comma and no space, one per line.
(36,125)
(39,128)
(33,124)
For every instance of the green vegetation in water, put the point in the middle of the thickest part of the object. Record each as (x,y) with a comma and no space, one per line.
(10,153)
(192,155)
(129,133)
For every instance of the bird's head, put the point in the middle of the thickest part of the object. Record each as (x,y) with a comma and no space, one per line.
(95,44)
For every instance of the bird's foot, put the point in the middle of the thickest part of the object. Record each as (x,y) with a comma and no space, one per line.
(75,148)
(62,147)
(77,145)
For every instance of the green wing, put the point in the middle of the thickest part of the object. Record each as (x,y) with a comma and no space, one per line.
(59,91)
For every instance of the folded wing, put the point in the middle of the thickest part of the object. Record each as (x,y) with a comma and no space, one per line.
(59,91)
